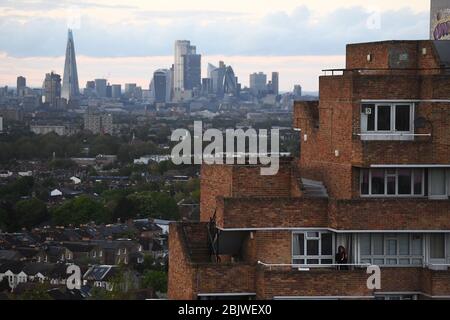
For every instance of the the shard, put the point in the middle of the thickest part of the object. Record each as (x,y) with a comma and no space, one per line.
(70,89)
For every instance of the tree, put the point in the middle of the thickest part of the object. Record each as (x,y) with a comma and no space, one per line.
(124,209)
(156,205)
(81,210)
(31,212)
(155,279)
(37,292)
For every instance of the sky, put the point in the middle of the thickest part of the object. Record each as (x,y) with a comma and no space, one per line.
(125,41)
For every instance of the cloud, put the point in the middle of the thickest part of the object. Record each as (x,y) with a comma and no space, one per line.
(143,33)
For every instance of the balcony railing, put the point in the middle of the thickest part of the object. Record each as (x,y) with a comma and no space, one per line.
(307,267)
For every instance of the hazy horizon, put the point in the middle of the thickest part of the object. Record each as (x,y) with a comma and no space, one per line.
(127,42)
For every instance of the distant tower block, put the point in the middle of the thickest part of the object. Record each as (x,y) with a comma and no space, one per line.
(70,88)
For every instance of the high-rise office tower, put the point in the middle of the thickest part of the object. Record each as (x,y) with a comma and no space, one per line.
(187,66)
(161,85)
(192,71)
(258,82)
(70,89)
(297,91)
(21,85)
(116,91)
(52,89)
(275,82)
(100,88)
(130,88)
(108,91)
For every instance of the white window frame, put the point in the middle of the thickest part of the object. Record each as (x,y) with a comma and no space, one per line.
(386,175)
(387,134)
(385,257)
(305,257)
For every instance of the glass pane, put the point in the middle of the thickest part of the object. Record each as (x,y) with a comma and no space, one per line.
(327,244)
(418,177)
(312,261)
(326,261)
(312,234)
(364,181)
(437,246)
(378,181)
(391,185)
(391,261)
(298,245)
(366,261)
(391,247)
(404,262)
(378,262)
(404,181)
(384,118)
(437,182)
(377,240)
(416,245)
(312,247)
(402,118)
(365,244)
(299,261)
(403,244)
(370,116)
(416,262)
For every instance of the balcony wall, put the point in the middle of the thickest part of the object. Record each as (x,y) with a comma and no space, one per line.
(288,282)
(389,214)
(271,212)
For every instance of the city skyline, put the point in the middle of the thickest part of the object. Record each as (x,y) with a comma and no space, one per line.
(131,50)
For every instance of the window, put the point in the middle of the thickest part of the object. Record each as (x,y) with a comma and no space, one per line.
(312,247)
(437,246)
(438,188)
(388,118)
(391,249)
(392,182)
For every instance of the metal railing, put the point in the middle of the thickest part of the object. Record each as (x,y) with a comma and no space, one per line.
(307,267)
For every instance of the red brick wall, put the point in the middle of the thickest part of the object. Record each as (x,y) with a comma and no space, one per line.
(244,181)
(181,273)
(272,212)
(389,214)
(216,180)
(226,278)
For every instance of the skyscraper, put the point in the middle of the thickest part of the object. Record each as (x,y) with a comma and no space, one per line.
(70,89)
(275,82)
(116,91)
(21,85)
(52,89)
(100,88)
(160,86)
(258,82)
(187,67)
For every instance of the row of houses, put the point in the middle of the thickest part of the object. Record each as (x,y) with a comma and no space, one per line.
(18,273)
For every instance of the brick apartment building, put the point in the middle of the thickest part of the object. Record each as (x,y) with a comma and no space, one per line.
(373,176)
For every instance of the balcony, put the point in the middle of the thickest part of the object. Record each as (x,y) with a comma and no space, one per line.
(324,281)
(389,214)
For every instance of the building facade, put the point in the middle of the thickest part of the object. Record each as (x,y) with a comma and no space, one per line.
(21,85)
(373,177)
(187,66)
(52,89)
(258,82)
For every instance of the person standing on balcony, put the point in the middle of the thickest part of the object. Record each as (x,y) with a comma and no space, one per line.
(342,258)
